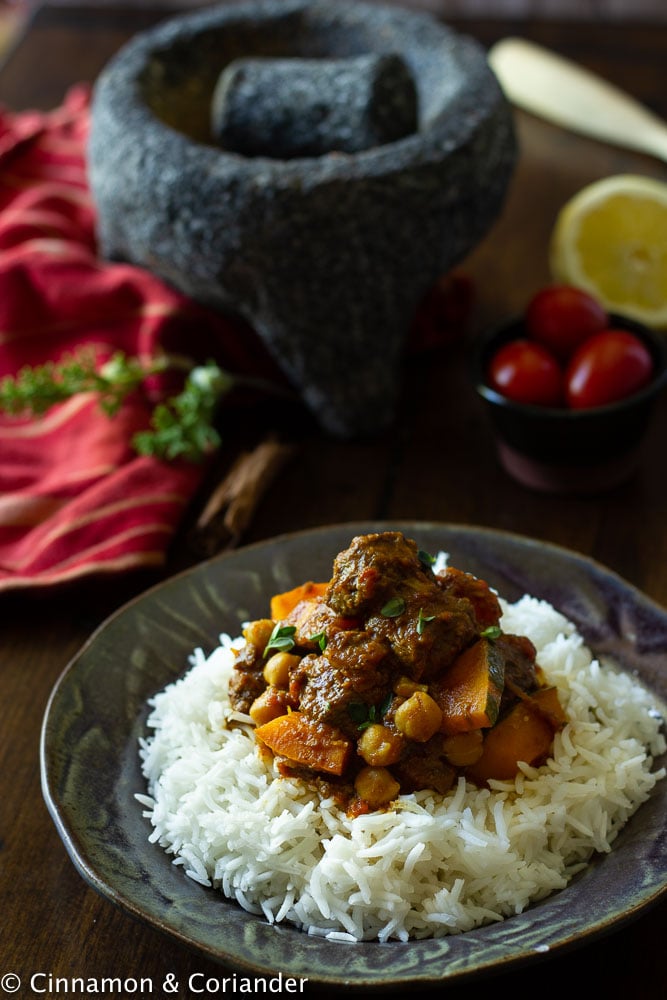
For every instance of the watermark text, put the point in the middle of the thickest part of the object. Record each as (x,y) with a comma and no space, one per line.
(197,984)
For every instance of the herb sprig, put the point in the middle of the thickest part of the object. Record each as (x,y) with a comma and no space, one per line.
(320,639)
(422,621)
(281,638)
(365,715)
(394,607)
(425,558)
(36,389)
(180,427)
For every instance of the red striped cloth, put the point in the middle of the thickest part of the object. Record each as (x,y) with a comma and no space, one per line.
(75,499)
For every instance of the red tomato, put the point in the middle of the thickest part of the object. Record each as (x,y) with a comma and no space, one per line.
(609,366)
(561,317)
(526,373)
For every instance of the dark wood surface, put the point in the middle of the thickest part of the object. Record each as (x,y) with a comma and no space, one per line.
(437,464)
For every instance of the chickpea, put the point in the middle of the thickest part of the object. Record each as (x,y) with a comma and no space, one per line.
(277,668)
(463,749)
(258,633)
(376,786)
(419,717)
(405,686)
(268,705)
(379,745)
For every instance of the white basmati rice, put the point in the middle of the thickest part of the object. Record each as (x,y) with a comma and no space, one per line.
(434,865)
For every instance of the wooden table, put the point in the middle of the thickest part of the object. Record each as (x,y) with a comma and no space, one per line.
(438,463)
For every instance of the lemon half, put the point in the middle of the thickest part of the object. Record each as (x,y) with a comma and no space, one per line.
(610,239)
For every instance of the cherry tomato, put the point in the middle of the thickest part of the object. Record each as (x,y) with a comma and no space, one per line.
(561,318)
(607,367)
(526,373)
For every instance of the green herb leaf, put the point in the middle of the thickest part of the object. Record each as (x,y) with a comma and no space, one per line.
(365,715)
(492,632)
(181,427)
(426,558)
(370,718)
(321,640)
(358,712)
(281,638)
(393,608)
(34,390)
(422,621)
(384,704)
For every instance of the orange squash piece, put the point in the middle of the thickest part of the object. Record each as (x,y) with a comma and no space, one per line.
(525,734)
(470,691)
(316,745)
(548,702)
(282,604)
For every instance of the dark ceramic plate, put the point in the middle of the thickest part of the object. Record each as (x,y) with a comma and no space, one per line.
(90,767)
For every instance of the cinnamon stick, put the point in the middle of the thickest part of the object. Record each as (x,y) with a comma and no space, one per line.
(232,504)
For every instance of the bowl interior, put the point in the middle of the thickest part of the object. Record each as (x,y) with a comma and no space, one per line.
(178,81)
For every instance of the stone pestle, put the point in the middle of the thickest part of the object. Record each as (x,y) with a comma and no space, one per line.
(291,107)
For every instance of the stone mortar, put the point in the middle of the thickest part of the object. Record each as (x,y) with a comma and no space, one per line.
(326,257)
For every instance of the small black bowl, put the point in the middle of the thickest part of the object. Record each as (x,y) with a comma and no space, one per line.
(569,451)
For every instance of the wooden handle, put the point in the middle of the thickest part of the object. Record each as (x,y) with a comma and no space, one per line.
(560,91)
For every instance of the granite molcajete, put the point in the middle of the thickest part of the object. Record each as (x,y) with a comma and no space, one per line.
(325,256)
